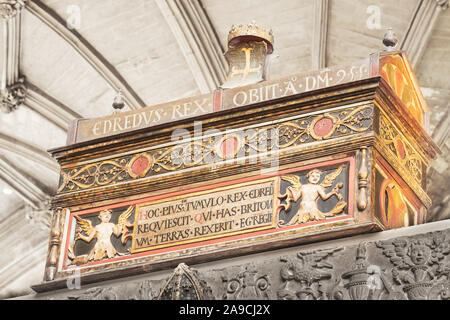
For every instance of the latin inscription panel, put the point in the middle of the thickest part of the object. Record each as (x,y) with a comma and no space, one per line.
(205,215)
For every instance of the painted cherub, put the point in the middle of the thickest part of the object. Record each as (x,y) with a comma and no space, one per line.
(310,193)
(103,247)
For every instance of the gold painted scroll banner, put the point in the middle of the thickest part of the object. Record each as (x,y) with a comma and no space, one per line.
(88,129)
(143,118)
(294,84)
(205,215)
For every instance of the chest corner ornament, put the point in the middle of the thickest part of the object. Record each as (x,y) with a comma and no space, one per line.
(102,232)
(310,194)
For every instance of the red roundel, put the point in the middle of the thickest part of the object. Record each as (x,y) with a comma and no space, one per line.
(323,127)
(139,165)
(229,146)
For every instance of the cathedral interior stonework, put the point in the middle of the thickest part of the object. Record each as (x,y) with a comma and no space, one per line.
(224,150)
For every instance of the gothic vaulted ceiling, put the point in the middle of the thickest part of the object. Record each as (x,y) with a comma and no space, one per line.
(61,60)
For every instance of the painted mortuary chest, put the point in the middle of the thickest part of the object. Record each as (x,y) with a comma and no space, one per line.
(246,169)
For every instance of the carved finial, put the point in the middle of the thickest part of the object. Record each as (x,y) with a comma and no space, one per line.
(184,284)
(55,241)
(390,40)
(118,103)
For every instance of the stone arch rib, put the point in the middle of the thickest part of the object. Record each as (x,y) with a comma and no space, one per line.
(87,51)
(197,40)
(23,149)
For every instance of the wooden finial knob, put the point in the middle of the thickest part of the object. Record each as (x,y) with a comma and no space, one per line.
(390,40)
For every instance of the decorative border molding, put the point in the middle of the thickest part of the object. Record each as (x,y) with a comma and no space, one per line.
(253,241)
(401,268)
(167,159)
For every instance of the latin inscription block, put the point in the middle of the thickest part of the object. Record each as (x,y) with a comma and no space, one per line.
(205,215)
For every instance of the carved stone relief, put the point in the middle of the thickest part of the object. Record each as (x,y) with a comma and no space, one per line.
(419,266)
(304,275)
(182,156)
(404,268)
(248,284)
(184,284)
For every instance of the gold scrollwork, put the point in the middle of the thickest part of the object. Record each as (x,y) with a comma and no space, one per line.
(194,153)
(401,149)
(97,174)
(345,122)
(363,175)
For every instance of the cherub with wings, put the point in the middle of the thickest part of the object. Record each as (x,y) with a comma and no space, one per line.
(412,261)
(103,247)
(310,193)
